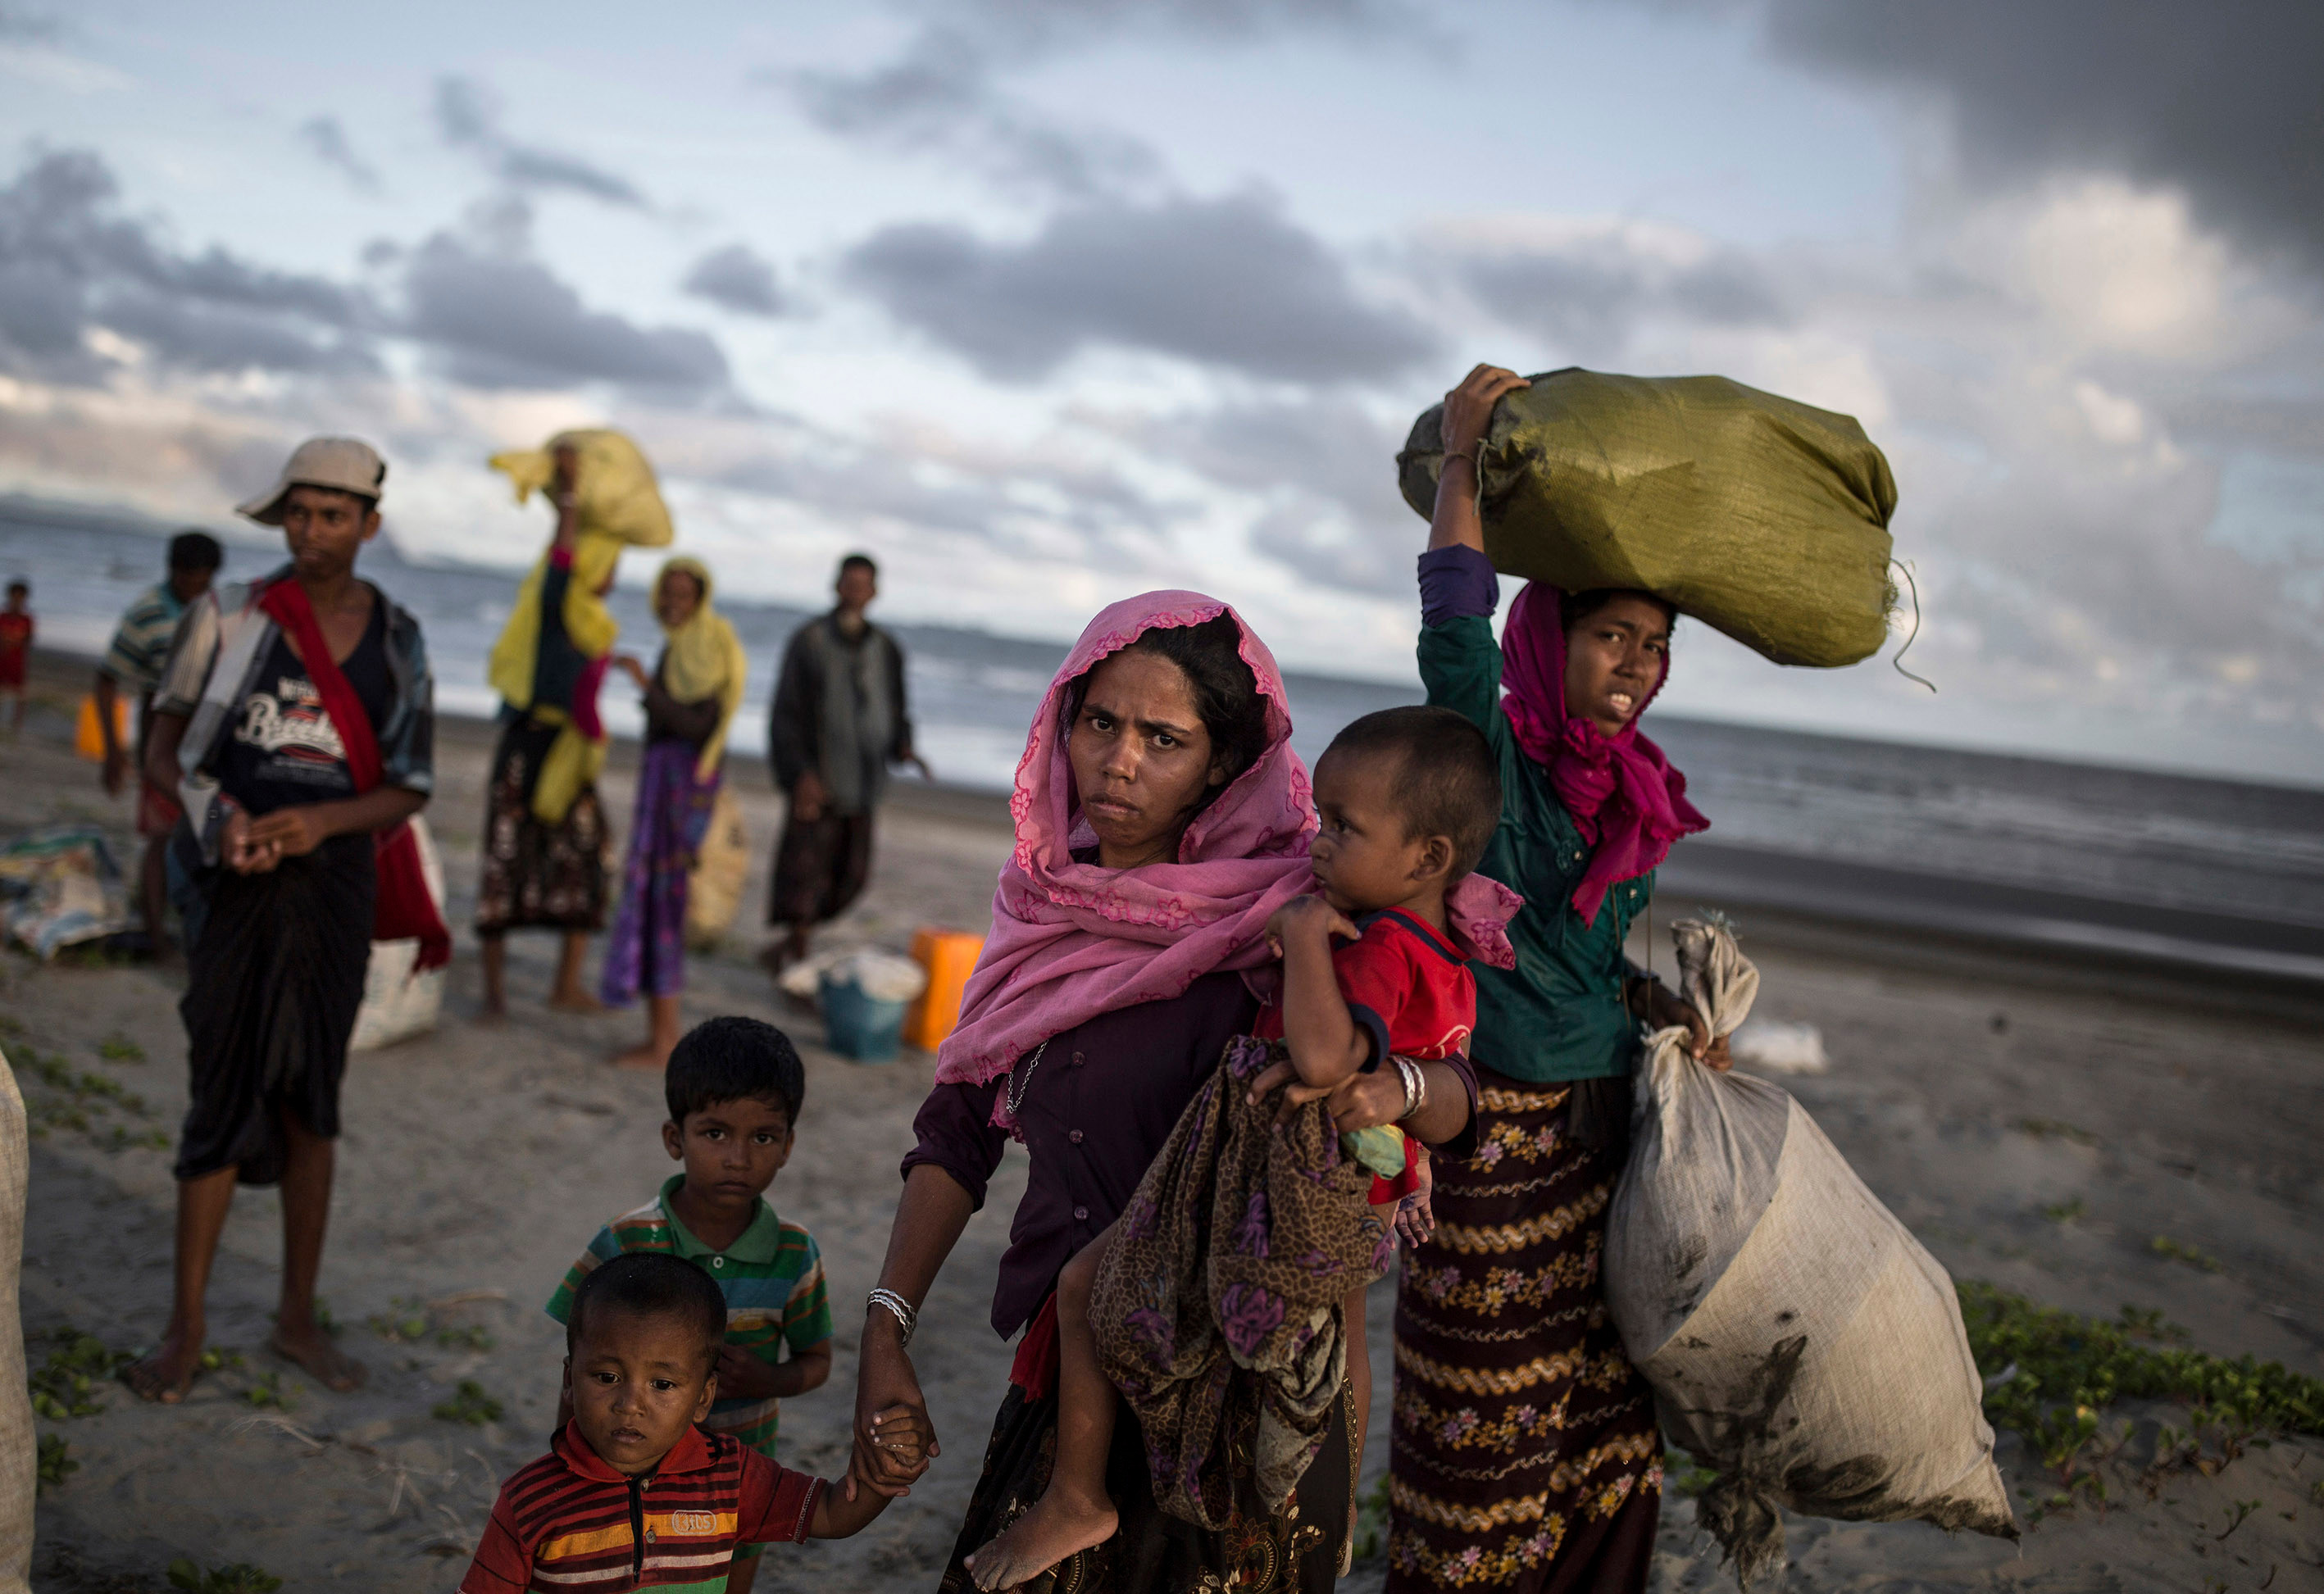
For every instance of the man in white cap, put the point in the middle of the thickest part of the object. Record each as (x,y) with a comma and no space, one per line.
(295,719)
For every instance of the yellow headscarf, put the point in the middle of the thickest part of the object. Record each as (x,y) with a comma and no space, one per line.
(619,505)
(704,658)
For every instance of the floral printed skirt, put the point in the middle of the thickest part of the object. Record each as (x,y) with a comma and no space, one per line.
(1301,1549)
(536,875)
(1523,1451)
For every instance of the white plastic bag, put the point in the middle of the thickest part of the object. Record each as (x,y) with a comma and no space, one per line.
(397,1003)
(1799,1340)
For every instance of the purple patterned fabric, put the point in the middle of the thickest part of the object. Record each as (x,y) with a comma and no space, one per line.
(647,953)
(1456,581)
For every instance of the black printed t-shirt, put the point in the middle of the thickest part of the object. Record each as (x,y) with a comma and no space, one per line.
(284,750)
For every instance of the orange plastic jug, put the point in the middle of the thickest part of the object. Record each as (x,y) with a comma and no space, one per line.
(949,956)
(88,736)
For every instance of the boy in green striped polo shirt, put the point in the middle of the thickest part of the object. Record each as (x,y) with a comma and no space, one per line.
(735,1087)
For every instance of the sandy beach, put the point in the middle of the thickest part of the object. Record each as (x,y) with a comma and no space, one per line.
(2088,1137)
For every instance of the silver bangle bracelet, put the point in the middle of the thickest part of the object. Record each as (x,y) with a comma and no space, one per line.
(1416,1086)
(907,1319)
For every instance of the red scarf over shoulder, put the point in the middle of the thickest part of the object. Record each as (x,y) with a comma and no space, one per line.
(404,909)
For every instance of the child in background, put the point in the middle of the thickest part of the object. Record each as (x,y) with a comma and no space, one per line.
(1409,797)
(16,646)
(735,1087)
(633,1493)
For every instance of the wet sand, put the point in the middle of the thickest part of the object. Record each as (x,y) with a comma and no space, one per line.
(1979,1093)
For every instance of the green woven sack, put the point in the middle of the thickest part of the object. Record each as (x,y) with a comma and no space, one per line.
(1763,518)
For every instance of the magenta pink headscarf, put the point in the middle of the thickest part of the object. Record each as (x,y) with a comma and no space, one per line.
(1070,941)
(1625,798)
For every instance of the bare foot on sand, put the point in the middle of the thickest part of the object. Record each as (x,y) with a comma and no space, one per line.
(168,1371)
(1055,1528)
(325,1362)
(575,1001)
(648,1055)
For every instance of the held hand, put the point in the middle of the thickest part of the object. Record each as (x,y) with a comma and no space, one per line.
(567,473)
(884,1381)
(1415,1219)
(1307,916)
(921,764)
(1665,1010)
(904,1434)
(629,666)
(807,798)
(1468,408)
(289,832)
(116,771)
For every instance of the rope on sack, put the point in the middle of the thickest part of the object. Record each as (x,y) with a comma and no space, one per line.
(1912,636)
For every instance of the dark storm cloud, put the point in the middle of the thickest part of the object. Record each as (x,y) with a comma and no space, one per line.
(468,119)
(2220,101)
(735,278)
(1587,296)
(497,320)
(70,263)
(328,141)
(1230,283)
(17,21)
(939,97)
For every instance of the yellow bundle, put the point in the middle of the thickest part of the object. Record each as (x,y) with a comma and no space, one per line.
(613,486)
(618,505)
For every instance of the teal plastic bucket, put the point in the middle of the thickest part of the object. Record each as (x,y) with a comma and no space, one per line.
(859,1026)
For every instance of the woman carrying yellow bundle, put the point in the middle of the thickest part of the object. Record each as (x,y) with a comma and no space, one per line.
(544,830)
(690,700)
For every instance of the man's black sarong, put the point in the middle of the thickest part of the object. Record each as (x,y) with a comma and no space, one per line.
(273,987)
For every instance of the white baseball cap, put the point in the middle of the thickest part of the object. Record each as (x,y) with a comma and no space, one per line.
(344,464)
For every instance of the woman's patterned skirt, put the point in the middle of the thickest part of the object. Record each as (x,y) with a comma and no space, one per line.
(1524,1453)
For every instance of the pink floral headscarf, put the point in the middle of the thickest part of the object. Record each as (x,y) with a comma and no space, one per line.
(1070,941)
(1627,801)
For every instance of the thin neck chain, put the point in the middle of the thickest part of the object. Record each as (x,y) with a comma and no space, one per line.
(1012,1092)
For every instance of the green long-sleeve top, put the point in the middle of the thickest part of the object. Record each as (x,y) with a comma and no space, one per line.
(1558,1015)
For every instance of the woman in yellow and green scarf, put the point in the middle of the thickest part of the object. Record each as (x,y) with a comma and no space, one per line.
(690,700)
(544,831)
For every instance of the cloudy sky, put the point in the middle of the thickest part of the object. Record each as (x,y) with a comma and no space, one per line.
(1055,301)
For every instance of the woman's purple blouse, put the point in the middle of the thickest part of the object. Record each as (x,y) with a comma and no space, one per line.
(1094,1110)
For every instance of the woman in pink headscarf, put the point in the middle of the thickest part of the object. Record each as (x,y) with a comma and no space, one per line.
(1515,1406)
(1161,818)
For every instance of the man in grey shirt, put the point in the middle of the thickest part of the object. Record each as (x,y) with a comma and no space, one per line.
(837,723)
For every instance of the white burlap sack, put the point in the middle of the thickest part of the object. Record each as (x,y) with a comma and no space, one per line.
(714,887)
(397,1003)
(1799,1340)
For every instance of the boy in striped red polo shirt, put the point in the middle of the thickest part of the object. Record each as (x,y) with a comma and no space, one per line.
(634,1494)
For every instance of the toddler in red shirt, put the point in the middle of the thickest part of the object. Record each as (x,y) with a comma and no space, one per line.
(633,1493)
(1408,800)
(15,646)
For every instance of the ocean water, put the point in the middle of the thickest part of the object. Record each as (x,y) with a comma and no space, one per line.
(2158,840)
